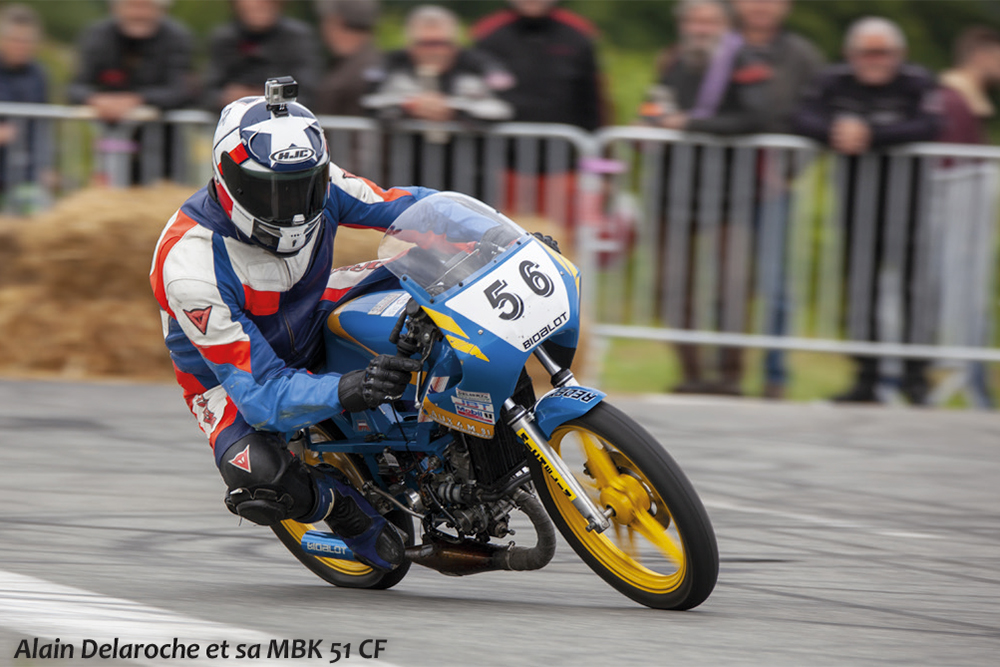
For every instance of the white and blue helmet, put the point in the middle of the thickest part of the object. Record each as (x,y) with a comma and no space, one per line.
(271,167)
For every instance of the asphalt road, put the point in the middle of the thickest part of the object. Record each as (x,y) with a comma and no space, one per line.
(847,536)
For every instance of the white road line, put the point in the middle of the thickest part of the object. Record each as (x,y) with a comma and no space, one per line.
(815,520)
(38,608)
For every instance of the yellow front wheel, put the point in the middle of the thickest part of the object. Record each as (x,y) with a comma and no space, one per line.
(661,549)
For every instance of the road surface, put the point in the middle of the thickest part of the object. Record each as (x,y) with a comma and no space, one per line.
(847,536)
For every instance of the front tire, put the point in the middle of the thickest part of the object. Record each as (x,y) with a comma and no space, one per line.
(660,550)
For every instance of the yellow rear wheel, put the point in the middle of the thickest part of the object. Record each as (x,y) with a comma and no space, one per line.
(346,573)
(660,550)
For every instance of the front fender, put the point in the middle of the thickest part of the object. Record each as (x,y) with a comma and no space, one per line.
(563,404)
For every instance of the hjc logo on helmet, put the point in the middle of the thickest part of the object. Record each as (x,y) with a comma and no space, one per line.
(292,155)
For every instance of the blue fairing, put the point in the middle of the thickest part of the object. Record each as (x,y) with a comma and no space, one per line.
(564,404)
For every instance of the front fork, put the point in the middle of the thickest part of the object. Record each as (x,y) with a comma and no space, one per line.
(522,421)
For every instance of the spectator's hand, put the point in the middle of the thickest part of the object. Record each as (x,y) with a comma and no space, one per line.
(7,133)
(851,136)
(113,107)
(235,91)
(675,121)
(431,106)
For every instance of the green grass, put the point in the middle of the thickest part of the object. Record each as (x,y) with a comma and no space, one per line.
(637,366)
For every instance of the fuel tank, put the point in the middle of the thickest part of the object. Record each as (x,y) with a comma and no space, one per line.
(359,329)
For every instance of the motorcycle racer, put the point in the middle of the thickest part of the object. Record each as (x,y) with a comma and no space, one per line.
(244,278)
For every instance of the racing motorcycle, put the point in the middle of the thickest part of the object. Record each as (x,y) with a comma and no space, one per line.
(474,296)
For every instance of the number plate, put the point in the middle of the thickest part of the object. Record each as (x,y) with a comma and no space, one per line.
(523,301)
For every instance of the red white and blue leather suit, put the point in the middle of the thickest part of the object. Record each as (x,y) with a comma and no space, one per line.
(243,325)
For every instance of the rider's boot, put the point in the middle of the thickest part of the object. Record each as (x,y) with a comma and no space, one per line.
(373,540)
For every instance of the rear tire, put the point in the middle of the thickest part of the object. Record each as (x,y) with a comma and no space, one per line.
(665,555)
(344,573)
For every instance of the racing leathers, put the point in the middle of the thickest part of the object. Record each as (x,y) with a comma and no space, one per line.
(243,325)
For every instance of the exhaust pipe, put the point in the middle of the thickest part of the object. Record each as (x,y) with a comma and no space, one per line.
(458,557)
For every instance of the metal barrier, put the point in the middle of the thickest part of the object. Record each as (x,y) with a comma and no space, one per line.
(766,241)
(772,242)
(526,169)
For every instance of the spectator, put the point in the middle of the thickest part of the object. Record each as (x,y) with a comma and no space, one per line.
(434,79)
(964,204)
(965,88)
(873,101)
(259,44)
(348,30)
(24,146)
(698,93)
(785,64)
(697,76)
(552,56)
(137,57)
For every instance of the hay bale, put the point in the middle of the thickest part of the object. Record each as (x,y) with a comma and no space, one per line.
(74,284)
(74,293)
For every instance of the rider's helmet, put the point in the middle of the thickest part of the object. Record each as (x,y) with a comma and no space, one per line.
(271,167)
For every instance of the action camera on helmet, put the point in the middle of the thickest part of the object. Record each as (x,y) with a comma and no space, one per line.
(280,92)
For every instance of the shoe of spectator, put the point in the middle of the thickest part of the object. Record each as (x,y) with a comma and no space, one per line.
(774,391)
(916,391)
(859,393)
(692,387)
(725,388)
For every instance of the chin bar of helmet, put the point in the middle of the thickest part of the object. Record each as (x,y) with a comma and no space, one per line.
(279,93)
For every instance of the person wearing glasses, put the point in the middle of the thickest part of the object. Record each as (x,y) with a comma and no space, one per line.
(435,79)
(876,99)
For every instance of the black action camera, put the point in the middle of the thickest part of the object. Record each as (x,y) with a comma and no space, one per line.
(280,92)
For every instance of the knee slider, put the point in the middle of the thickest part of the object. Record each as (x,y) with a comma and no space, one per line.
(266,483)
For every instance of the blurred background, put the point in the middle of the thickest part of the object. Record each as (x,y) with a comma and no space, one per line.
(795,200)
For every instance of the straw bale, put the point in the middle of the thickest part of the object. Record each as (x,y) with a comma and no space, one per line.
(74,284)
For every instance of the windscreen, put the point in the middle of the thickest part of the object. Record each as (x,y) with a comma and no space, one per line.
(445,238)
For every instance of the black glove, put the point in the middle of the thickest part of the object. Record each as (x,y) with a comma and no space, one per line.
(385,379)
(548,240)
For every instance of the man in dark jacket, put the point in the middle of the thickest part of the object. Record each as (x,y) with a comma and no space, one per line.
(137,57)
(784,61)
(24,144)
(551,54)
(349,32)
(784,64)
(873,101)
(698,76)
(259,44)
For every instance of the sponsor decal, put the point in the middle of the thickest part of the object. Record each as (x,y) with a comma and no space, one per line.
(396,307)
(383,304)
(199,318)
(546,466)
(545,331)
(292,155)
(477,410)
(242,460)
(576,394)
(207,415)
(453,421)
(361,425)
(334,550)
(481,396)
(438,384)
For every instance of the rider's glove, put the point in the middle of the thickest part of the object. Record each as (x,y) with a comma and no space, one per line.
(548,240)
(385,379)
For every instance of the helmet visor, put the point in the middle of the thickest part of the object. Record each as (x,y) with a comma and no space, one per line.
(277,198)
